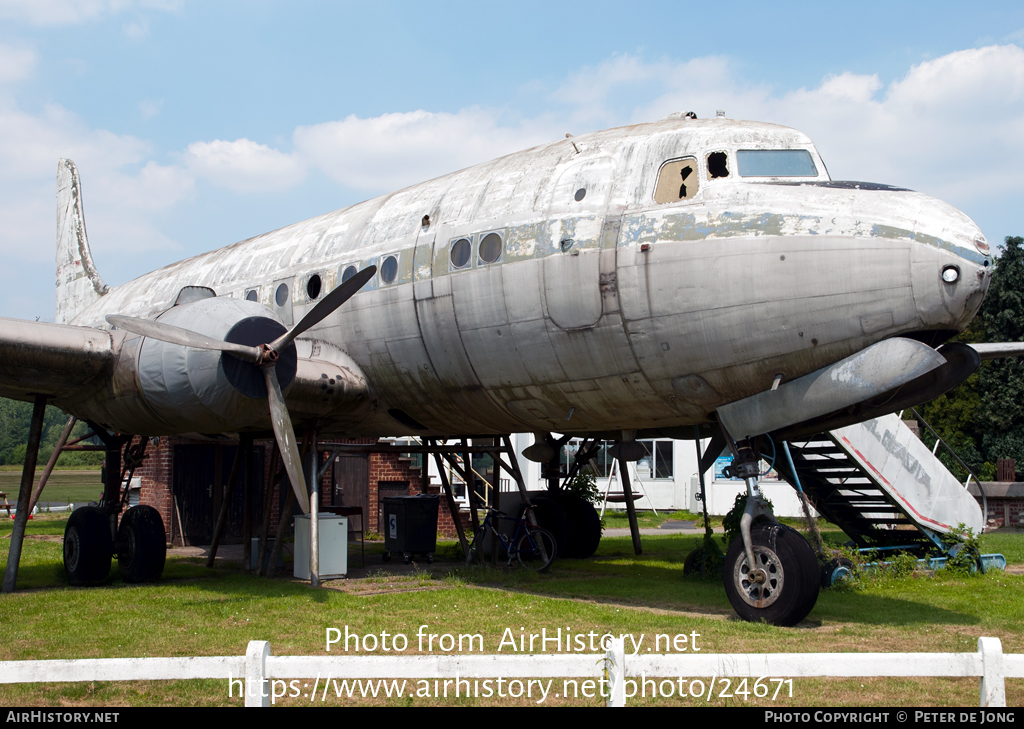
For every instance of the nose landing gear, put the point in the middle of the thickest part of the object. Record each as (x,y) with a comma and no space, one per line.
(771,572)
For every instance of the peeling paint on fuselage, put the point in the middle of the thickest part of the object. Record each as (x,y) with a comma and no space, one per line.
(739,283)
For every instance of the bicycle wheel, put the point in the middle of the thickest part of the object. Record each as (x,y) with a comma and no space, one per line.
(536,548)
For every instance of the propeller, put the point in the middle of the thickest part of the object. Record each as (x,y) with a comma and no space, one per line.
(265,357)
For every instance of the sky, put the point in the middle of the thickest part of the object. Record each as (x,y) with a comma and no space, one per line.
(198,124)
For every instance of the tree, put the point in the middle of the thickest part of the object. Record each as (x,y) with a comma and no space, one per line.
(15,421)
(983,418)
(1001,382)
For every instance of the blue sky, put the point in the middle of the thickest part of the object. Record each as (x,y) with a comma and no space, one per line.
(196,124)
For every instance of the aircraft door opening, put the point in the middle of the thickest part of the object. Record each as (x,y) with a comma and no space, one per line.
(572,271)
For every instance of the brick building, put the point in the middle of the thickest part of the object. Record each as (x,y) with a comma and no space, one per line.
(185,481)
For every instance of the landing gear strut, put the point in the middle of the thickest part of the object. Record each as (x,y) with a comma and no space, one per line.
(771,572)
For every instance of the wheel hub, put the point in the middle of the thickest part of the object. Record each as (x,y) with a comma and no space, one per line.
(762,585)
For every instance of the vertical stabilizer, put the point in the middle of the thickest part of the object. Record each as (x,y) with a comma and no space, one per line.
(78,282)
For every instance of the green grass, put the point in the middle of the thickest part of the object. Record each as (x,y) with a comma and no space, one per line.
(646,519)
(67,486)
(195,611)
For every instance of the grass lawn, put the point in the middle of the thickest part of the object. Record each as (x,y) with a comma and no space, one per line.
(65,486)
(195,611)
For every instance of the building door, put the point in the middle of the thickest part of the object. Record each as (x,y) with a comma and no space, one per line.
(352,481)
(200,474)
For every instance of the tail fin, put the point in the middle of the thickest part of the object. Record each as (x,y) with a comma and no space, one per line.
(78,282)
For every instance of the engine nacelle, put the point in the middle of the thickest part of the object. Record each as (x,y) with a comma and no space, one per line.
(159,388)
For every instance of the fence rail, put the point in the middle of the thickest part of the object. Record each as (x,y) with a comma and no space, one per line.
(258,669)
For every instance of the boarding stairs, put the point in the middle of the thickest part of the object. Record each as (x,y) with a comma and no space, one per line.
(881,485)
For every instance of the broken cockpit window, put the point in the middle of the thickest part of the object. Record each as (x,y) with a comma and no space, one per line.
(677,181)
(718,165)
(775,163)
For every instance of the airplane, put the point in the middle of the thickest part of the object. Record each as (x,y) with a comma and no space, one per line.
(680,278)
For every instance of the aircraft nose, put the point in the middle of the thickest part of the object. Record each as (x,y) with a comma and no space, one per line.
(952,268)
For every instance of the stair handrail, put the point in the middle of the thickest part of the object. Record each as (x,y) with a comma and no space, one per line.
(970,471)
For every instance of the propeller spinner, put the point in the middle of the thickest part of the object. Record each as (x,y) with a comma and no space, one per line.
(263,356)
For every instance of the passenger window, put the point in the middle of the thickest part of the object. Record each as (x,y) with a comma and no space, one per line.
(389,269)
(349,273)
(718,165)
(677,181)
(252,295)
(460,251)
(490,248)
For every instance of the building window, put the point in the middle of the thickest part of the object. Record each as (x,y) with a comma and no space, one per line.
(657,463)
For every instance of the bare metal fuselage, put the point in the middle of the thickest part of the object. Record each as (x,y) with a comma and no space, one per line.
(607,310)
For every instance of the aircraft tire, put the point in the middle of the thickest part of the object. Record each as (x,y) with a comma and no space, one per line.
(794,577)
(142,545)
(551,516)
(88,548)
(583,526)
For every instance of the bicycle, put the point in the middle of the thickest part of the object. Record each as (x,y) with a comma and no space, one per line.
(534,546)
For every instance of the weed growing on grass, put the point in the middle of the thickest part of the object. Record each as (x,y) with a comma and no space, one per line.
(964,550)
(706,561)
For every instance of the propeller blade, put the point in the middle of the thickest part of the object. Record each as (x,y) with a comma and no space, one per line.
(177,335)
(325,308)
(285,435)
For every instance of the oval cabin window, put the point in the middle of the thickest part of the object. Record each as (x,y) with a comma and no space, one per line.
(490,248)
(389,269)
(460,252)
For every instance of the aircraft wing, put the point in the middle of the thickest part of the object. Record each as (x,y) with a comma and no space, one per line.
(53,359)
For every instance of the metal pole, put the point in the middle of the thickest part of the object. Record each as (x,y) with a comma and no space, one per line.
(52,462)
(634,529)
(452,508)
(703,491)
(247,504)
(28,472)
(314,514)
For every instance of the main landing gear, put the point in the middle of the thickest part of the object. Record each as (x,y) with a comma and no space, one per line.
(771,572)
(90,539)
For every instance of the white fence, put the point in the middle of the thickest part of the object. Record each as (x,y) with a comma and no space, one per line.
(262,674)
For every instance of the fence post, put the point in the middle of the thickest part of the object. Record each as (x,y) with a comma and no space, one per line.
(993,687)
(615,668)
(257,687)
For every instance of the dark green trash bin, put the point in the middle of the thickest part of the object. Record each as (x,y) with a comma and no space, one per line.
(410,526)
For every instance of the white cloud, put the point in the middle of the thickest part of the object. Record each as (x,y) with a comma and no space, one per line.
(394,150)
(120,203)
(16,63)
(244,165)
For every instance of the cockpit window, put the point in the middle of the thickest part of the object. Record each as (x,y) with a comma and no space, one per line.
(677,181)
(718,165)
(775,163)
